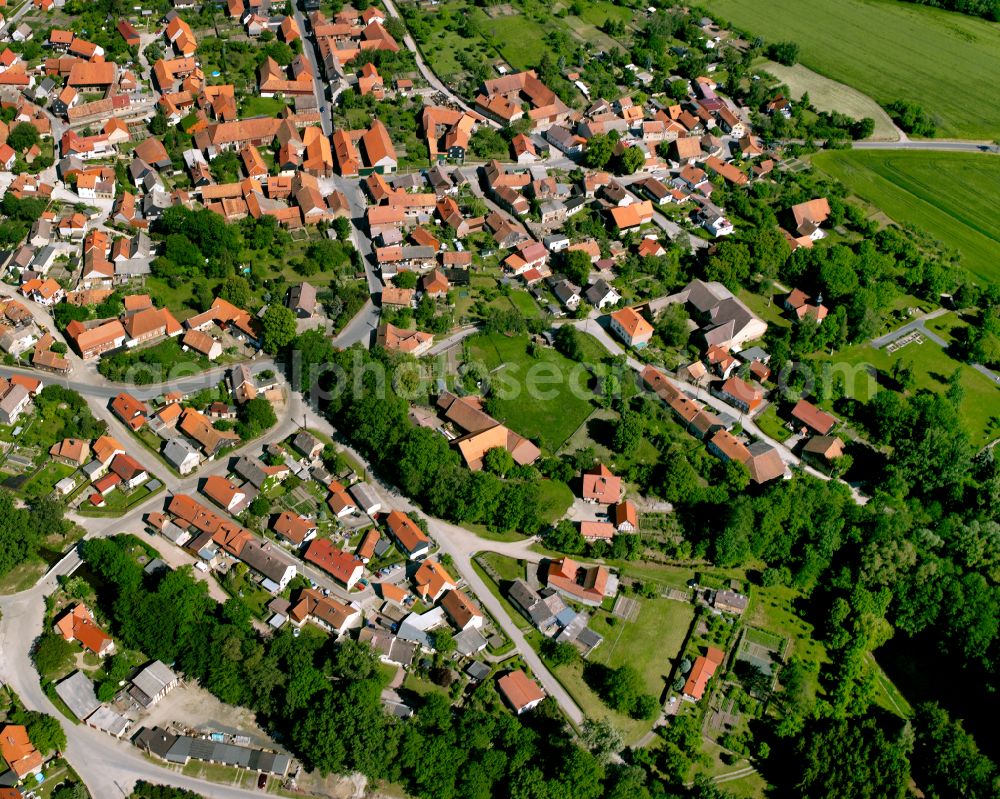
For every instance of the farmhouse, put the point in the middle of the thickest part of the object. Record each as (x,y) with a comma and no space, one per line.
(586,584)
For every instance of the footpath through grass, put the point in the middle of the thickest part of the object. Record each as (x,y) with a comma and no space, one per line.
(890,51)
(952,196)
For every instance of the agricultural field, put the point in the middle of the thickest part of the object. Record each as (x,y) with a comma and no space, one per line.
(888,50)
(951,196)
(558,408)
(830,95)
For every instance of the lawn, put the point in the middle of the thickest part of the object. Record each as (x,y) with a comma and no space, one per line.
(648,644)
(951,196)
(119,501)
(773,609)
(554,498)
(769,422)
(252,106)
(541,396)
(980,409)
(157,364)
(521,40)
(43,482)
(767,308)
(889,50)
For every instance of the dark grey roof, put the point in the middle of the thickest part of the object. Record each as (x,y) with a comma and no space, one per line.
(478,670)
(157,741)
(251,470)
(304,442)
(266,559)
(523,595)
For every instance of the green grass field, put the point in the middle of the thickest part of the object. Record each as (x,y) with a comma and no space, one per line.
(647,644)
(44,481)
(535,396)
(952,196)
(980,409)
(889,50)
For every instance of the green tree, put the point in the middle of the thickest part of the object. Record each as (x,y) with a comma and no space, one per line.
(559,653)
(851,759)
(628,433)
(577,266)
(22,137)
(599,151)
(226,167)
(53,654)
(236,290)
(487,143)
(158,124)
(255,416)
(631,160)
(279,328)
(672,325)
(498,461)
(602,738)
(45,732)
(443,640)
(946,760)
(71,790)
(405,280)
(786,53)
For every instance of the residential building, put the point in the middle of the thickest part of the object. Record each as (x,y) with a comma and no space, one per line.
(701,672)
(625,517)
(586,584)
(224,493)
(812,418)
(432,580)
(77,624)
(631,328)
(730,602)
(129,410)
(398,339)
(182,455)
(600,485)
(327,612)
(409,538)
(268,561)
(521,692)
(13,403)
(18,752)
(345,568)
(294,528)
(461,610)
